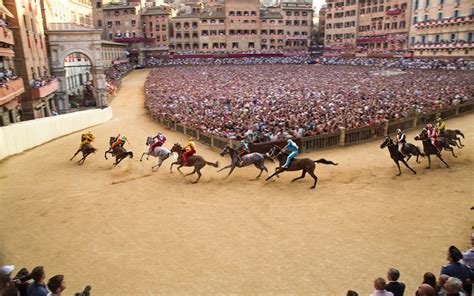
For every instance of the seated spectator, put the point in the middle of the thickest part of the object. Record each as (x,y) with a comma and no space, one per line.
(393,285)
(56,285)
(37,288)
(379,285)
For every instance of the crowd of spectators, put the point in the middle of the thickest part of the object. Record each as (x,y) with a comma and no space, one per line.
(114,74)
(404,63)
(33,283)
(153,62)
(42,81)
(271,102)
(6,75)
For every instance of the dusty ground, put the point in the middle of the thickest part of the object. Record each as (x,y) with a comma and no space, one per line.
(128,231)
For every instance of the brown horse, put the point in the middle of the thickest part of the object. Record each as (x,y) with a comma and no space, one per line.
(119,152)
(86,150)
(305,164)
(195,161)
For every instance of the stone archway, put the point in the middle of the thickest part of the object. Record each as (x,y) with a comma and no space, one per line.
(65,39)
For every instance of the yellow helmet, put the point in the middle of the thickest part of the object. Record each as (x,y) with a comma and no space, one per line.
(439,119)
(190,139)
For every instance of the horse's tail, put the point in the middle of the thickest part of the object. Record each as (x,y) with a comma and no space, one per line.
(265,157)
(216,164)
(324,161)
(458,132)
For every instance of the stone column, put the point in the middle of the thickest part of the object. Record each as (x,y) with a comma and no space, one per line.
(62,98)
(100,87)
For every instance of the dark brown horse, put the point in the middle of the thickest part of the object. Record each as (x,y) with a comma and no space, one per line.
(86,150)
(195,161)
(119,152)
(430,149)
(305,164)
(396,155)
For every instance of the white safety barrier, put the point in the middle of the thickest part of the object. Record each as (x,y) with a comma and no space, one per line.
(25,135)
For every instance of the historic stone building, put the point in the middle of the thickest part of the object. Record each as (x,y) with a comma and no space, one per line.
(11,86)
(242,25)
(156,26)
(341,26)
(298,18)
(31,58)
(273,29)
(442,28)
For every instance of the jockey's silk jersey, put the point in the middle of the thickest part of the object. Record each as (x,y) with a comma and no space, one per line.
(190,145)
(292,146)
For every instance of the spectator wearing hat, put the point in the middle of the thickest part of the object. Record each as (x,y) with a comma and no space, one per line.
(458,270)
(38,288)
(21,280)
(393,285)
(56,285)
(379,285)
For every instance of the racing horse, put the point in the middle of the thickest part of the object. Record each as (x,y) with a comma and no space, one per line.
(397,156)
(161,152)
(119,152)
(86,150)
(297,164)
(430,149)
(452,136)
(195,161)
(257,159)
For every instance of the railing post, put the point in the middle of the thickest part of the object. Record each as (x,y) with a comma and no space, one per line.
(457,110)
(342,138)
(438,112)
(212,141)
(385,132)
(415,119)
(197,134)
(175,125)
(184,130)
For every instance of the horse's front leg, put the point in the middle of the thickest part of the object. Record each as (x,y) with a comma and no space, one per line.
(144,153)
(178,168)
(74,155)
(172,164)
(105,154)
(230,172)
(278,171)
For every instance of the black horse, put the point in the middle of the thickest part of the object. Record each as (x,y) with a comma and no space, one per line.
(452,136)
(411,150)
(297,164)
(395,154)
(430,149)
(119,152)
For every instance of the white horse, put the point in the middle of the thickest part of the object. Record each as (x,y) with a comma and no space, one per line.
(161,152)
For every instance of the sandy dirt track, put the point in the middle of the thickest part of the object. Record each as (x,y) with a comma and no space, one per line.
(128,231)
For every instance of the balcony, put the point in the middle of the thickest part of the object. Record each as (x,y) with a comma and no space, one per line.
(11,90)
(45,90)
(129,39)
(6,36)
(445,22)
(443,46)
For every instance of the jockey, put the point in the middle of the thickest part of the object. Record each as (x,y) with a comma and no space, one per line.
(160,140)
(119,141)
(432,135)
(191,151)
(86,138)
(294,152)
(401,140)
(440,127)
(243,149)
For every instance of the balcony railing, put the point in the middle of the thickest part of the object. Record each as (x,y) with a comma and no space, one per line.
(45,90)
(443,45)
(445,22)
(6,36)
(10,90)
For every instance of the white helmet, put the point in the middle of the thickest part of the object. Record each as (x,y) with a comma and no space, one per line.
(399,130)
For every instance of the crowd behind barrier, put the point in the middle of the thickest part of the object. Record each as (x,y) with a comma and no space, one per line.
(154,62)
(270,103)
(114,74)
(404,63)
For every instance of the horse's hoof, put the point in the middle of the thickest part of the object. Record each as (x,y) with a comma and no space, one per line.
(398,174)
(427,168)
(312,187)
(414,172)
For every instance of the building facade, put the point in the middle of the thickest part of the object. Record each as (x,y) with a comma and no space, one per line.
(11,86)
(442,28)
(31,58)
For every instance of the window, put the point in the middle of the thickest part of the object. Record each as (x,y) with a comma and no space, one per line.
(456,13)
(99,23)
(98,4)
(470,37)
(453,37)
(436,38)
(134,23)
(440,15)
(415,19)
(427,3)
(416,4)
(441,2)
(413,40)
(423,39)
(117,23)
(425,18)
(109,24)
